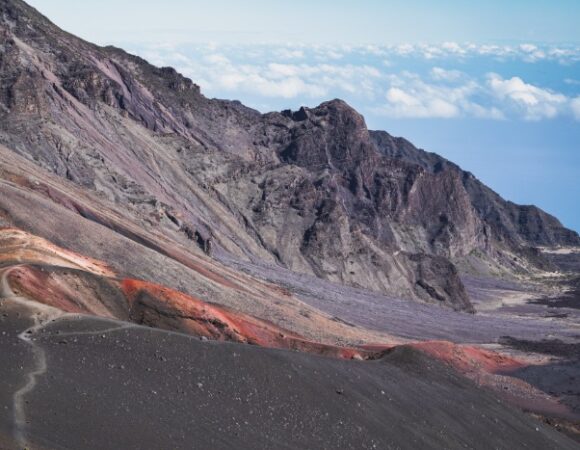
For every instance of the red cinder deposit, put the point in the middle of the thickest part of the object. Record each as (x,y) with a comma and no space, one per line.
(467,358)
(162,307)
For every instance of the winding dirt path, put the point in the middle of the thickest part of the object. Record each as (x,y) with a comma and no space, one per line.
(41,316)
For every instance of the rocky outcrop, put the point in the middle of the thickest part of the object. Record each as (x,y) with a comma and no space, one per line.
(312,190)
(518,226)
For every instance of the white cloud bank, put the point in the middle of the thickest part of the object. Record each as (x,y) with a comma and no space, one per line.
(454,94)
(532,102)
(529,53)
(412,97)
(405,104)
(438,73)
(367,77)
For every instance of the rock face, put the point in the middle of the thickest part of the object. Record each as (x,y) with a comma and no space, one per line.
(312,190)
(517,225)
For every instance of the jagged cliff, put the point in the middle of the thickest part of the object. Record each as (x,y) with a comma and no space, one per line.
(312,190)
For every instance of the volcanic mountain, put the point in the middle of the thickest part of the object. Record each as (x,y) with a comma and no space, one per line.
(143,224)
(313,191)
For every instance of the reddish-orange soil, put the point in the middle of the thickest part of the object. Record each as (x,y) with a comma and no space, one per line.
(162,307)
(467,358)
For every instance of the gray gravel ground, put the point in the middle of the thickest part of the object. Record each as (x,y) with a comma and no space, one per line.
(108,386)
(412,320)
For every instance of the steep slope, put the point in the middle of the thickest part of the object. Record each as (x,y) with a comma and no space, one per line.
(308,190)
(81,221)
(60,215)
(35,270)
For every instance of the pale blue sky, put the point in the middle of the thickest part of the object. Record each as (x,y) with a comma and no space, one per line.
(344,21)
(492,85)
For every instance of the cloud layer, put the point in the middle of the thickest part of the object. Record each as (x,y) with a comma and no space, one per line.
(446,81)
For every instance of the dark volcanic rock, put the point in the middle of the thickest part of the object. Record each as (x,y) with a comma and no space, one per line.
(312,190)
(518,225)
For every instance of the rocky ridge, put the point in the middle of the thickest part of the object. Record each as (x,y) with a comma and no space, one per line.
(311,190)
